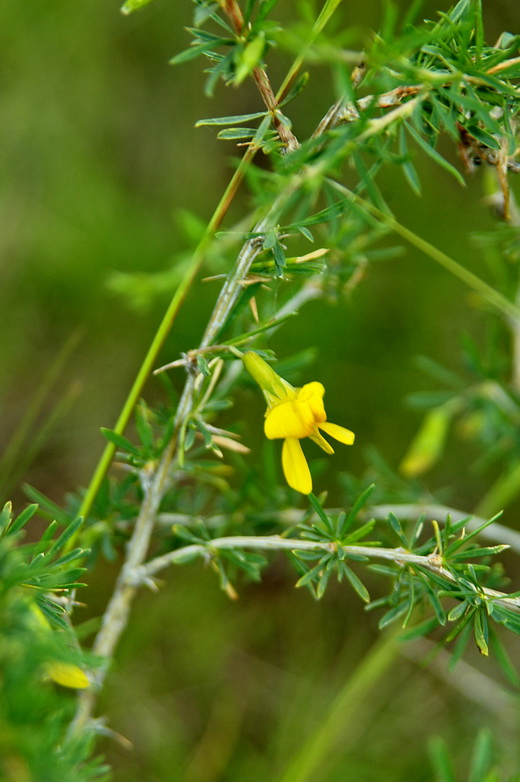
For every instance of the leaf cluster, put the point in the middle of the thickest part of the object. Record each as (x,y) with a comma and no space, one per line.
(483,765)
(37,581)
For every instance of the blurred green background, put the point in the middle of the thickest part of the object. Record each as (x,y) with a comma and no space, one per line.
(99,158)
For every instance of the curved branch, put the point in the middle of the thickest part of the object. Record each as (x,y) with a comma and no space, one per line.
(432,562)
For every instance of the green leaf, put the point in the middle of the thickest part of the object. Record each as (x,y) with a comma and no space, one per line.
(356,583)
(23,518)
(270,324)
(250,4)
(480,628)
(133,5)
(120,441)
(266,8)
(235,119)
(419,630)
(481,757)
(279,258)
(74,554)
(231,134)
(395,524)
(479,26)
(65,536)
(431,152)
(436,604)
(204,12)
(305,231)
(416,532)
(484,137)
(507,666)
(457,612)
(354,510)
(407,165)
(441,760)
(249,58)
(477,552)
(320,512)
(509,617)
(298,85)
(470,535)
(393,614)
(5,517)
(323,216)
(197,49)
(323,580)
(51,509)
(367,181)
(463,631)
(314,572)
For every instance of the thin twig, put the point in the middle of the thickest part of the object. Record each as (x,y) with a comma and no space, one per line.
(288,139)
(116,615)
(433,562)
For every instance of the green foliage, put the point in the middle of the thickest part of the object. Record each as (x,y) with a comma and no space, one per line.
(482,768)
(38,581)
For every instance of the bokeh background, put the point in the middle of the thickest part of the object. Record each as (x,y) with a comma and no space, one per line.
(101,165)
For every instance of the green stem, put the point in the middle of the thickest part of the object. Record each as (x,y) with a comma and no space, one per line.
(490,294)
(326,12)
(167,323)
(501,494)
(343,714)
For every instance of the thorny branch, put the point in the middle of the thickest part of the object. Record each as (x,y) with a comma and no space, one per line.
(432,562)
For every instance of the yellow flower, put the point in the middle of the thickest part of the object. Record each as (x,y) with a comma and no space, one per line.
(292,414)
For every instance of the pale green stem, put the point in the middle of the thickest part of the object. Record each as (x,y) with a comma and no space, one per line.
(431,562)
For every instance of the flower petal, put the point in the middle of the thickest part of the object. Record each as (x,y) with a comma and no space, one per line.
(321,441)
(312,395)
(289,419)
(295,467)
(338,432)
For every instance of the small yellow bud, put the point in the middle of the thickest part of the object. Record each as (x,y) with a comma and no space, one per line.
(265,376)
(67,674)
(427,445)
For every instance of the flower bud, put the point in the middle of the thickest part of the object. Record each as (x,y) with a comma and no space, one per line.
(271,383)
